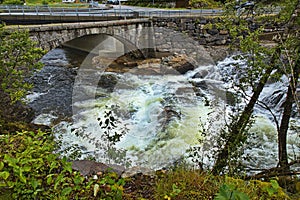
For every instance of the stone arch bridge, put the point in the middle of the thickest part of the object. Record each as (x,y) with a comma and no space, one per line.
(146,35)
(125,35)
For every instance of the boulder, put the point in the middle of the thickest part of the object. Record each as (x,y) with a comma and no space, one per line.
(181,64)
(108,82)
(213,31)
(136,170)
(89,167)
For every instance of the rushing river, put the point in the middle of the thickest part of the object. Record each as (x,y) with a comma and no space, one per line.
(160,116)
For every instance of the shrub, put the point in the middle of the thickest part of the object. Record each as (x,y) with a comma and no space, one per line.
(13,2)
(189,184)
(29,170)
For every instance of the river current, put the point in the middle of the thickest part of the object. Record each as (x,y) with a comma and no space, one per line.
(160,116)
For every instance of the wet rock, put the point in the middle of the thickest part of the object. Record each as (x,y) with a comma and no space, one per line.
(150,61)
(212,31)
(200,84)
(55,83)
(146,72)
(183,67)
(108,82)
(131,64)
(101,62)
(201,74)
(14,112)
(231,98)
(151,66)
(130,172)
(117,168)
(168,115)
(218,53)
(181,64)
(89,167)
(223,32)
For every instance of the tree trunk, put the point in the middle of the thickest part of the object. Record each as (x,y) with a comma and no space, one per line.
(284,125)
(237,129)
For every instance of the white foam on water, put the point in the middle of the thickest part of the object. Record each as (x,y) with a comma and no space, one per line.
(153,139)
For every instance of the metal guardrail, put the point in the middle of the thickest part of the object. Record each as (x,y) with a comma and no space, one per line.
(180,13)
(46,10)
(64,11)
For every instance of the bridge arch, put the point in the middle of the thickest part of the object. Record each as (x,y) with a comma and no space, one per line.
(104,44)
(134,33)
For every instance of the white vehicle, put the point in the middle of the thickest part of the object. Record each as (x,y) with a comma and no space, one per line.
(68,1)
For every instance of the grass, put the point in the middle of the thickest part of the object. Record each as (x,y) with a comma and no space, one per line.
(184,184)
(5,194)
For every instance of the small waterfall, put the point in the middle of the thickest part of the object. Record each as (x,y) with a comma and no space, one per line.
(159,113)
(162,115)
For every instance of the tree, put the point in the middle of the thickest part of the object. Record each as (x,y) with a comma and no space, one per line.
(18,61)
(292,71)
(262,64)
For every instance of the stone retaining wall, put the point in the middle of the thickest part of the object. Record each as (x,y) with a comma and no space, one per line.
(202,31)
(195,28)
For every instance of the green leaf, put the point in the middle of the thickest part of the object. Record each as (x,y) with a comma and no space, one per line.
(66,191)
(78,180)
(3,184)
(22,177)
(274,184)
(228,192)
(4,175)
(10,160)
(1,165)
(34,183)
(60,178)
(225,193)
(49,179)
(27,169)
(241,196)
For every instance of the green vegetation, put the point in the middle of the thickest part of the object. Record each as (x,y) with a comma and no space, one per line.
(12,2)
(171,4)
(18,61)
(183,184)
(30,170)
(148,3)
(204,4)
(51,3)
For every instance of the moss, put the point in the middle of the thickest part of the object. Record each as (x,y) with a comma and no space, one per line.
(191,184)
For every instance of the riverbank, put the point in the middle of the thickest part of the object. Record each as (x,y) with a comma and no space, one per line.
(41,174)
